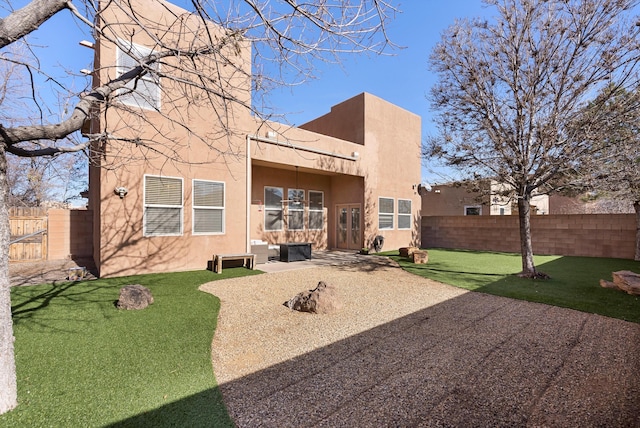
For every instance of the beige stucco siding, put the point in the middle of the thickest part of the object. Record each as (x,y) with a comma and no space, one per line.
(363,149)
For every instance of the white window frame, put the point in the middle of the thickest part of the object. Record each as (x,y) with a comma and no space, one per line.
(208,207)
(146,206)
(479,207)
(390,215)
(293,208)
(404,215)
(313,210)
(137,98)
(268,209)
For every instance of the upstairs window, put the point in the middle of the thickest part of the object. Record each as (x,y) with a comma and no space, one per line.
(162,206)
(208,207)
(385,213)
(142,92)
(316,210)
(473,210)
(404,213)
(273,208)
(295,209)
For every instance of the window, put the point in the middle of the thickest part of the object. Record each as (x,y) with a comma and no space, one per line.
(162,206)
(143,92)
(273,208)
(295,219)
(404,213)
(208,207)
(316,210)
(473,210)
(385,213)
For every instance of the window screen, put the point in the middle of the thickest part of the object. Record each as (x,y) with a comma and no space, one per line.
(162,206)
(385,213)
(295,209)
(143,92)
(404,214)
(208,207)
(273,208)
(316,210)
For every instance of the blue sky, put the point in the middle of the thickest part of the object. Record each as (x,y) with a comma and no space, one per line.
(402,79)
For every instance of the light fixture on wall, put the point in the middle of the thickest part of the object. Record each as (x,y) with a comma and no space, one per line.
(121,191)
(422,187)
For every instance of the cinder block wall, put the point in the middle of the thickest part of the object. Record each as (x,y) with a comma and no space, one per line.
(591,235)
(69,234)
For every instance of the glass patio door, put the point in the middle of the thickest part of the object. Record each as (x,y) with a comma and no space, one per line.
(349,232)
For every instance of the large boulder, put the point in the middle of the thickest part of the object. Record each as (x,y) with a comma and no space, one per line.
(321,300)
(420,257)
(407,251)
(134,296)
(624,280)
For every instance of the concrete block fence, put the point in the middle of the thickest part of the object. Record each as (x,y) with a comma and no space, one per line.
(592,235)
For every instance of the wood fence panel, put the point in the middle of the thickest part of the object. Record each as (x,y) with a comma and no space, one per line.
(32,248)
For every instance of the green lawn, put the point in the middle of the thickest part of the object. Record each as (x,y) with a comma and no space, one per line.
(574,281)
(82,362)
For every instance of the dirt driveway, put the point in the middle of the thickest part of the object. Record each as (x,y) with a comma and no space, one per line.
(405,351)
(47,271)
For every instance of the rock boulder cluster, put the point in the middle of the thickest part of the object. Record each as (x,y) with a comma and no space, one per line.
(624,280)
(321,300)
(134,296)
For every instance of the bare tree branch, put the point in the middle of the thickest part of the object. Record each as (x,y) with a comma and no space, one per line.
(510,90)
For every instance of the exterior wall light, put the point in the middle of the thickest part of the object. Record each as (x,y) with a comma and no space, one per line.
(121,191)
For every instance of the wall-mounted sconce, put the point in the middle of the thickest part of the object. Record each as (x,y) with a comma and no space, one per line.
(422,187)
(121,191)
(355,155)
(271,134)
(86,44)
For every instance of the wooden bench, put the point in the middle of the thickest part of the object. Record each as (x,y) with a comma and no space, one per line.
(248,260)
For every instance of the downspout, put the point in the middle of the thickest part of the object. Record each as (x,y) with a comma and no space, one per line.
(248,203)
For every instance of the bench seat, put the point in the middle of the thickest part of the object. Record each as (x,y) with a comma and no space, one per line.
(248,260)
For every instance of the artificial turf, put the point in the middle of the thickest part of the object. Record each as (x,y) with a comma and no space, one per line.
(82,362)
(574,281)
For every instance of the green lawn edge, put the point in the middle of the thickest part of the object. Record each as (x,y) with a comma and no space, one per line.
(82,362)
(574,281)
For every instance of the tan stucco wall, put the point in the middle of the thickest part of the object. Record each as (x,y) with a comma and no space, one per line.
(69,234)
(451,200)
(381,158)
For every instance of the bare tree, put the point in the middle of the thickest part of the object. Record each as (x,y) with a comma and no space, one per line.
(286,38)
(612,171)
(510,89)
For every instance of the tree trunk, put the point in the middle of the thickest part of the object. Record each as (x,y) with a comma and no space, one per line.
(526,247)
(8,383)
(636,206)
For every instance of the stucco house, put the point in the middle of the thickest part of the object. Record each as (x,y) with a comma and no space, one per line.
(484,197)
(170,189)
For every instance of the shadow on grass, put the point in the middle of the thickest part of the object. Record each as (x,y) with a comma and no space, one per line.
(82,362)
(204,409)
(574,281)
(471,360)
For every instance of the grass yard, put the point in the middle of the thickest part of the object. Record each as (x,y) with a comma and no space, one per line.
(574,281)
(82,362)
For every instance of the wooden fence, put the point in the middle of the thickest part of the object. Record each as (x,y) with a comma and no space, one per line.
(28,234)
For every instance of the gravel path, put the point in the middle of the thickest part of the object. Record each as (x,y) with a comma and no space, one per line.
(406,351)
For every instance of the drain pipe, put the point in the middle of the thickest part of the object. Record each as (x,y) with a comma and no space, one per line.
(248,203)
